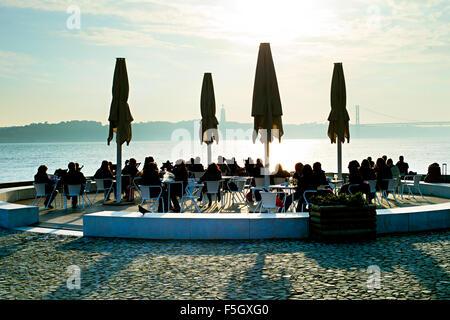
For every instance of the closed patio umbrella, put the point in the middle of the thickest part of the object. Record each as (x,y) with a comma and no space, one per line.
(120,116)
(209,121)
(338,128)
(266,106)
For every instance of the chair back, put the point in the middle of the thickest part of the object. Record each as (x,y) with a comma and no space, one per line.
(212,186)
(308,192)
(259,182)
(279,180)
(146,193)
(373,185)
(198,174)
(100,183)
(392,183)
(40,189)
(74,190)
(240,183)
(191,187)
(354,186)
(417,179)
(268,199)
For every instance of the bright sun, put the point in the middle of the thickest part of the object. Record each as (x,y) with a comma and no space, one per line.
(278,21)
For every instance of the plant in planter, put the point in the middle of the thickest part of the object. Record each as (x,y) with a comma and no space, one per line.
(342,217)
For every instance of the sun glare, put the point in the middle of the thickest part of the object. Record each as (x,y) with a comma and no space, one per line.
(281,21)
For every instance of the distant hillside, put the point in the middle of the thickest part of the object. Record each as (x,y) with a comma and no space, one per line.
(79,131)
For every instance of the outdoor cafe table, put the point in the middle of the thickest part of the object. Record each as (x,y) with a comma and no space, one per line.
(335,183)
(283,187)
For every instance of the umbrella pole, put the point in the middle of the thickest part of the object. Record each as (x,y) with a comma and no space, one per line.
(209,153)
(119,169)
(266,162)
(339,153)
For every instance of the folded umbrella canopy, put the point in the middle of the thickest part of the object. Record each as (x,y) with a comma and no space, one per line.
(266,106)
(120,116)
(338,128)
(209,121)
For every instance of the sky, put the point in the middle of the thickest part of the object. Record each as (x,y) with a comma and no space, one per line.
(57,57)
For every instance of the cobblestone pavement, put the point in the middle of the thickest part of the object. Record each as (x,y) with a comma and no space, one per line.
(35,266)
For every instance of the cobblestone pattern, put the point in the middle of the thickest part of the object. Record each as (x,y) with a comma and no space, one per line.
(34,266)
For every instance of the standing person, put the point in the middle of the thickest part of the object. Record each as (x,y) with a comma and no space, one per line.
(104,172)
(74,177)
(212,173)
(42,177)
(402,166)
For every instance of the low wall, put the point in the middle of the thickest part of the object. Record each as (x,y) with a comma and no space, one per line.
(196,226)
(15,215)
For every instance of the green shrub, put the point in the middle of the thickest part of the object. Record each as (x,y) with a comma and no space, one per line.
(351,200)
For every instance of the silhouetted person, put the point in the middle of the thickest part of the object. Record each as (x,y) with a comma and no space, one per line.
(104,172)
(383,172)
(319,174)
(177,189)
(402,166)
(434,173)
(306,181)
(366,172)
(223,166)
(249,166)
(394,169)
(212,173)
(384,158)
(356,181)
(371,163)
(74,177)
(167,166)
(42,177)
(129,172)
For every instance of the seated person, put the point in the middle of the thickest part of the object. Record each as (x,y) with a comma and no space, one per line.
(394,169)
(104,172)
(279,172)
(305,182)
(382,172)
(130,171)
(212,173)
(150,177)
(177,189)
(356,182)
(234,167)
(42,177)
(366,172)
(402,166)
(167,166)
(249,166)
(74,177)
(434,173)
(319,174)
(223,166)
(197,166)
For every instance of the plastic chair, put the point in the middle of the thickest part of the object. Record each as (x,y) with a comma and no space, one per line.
(352,186)
(213,188)
(307,203)
(269,201)
(192,192)
(390,189)
(146,194)
(373,189)
(415,185)
(240,183)
(74,190)
(40,192)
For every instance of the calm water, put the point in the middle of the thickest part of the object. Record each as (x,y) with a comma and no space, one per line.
(20,161)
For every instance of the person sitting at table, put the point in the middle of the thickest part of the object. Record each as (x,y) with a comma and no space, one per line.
(74,177)
(104,172)
(279,172)
(129,172)
(356,181)
(177,189)
(394,169)
(223,166)
(197,166)
(371,163)
(402,166)
(249,166)
(234,167)
(319,174)
(366,172)
(150,177)
(305,182)
(382,172)
(42,177)
(434,173)
(212,173)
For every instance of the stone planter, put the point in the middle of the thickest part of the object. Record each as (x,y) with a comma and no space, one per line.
(342,223)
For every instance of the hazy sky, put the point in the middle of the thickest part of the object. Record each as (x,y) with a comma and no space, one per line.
(395,53)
